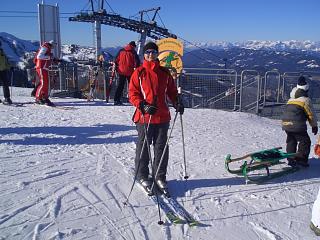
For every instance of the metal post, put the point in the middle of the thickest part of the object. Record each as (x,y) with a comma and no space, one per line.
(258,95)
(265,85)
(142,41)
(241,87)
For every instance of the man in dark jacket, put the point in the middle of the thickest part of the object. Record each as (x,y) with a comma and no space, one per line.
(4,67)
(126,61)
(299,110)
(150,87)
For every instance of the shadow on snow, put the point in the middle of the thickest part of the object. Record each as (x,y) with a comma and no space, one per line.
(291,180)
(68,135)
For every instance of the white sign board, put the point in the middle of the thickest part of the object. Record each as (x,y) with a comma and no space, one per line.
(49,26)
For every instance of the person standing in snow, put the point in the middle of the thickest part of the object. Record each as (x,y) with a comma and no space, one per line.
(43,61)
(150,85)
(299,110)
(126,61)
(4,67)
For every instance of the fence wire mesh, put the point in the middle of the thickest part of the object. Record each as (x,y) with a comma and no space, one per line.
(201,87)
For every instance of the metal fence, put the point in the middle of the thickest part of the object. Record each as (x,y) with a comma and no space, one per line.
(248,91)
(77,79)
(225,89)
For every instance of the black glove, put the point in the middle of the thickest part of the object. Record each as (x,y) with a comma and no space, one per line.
(179,108)
(315,130)
(148,108)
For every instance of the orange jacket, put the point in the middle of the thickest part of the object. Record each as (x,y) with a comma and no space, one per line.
(151,82)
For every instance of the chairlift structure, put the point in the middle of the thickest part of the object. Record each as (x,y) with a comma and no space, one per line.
(145,29)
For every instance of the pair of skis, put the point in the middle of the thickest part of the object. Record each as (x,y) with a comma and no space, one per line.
(14,104)
(174,212)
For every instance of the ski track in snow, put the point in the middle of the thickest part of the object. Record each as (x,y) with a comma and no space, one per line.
(65,175)
(267,234)
(122,160)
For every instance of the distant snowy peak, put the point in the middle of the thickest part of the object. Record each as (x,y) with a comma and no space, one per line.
(261,45)
(15,48)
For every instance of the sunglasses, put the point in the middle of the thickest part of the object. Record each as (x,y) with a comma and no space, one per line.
(151,51)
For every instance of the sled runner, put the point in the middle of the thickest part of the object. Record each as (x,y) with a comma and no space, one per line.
(256,167)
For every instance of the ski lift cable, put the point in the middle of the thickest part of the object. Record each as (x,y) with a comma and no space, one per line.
(86,6)
(110,7)
(148,16)
(136,17)
(16,12)
(161,20)
(19,16)
(24,12)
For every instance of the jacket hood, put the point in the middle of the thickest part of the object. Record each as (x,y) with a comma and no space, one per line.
(298,92)
(129,47)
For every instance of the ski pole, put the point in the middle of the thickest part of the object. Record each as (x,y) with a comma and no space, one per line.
(182,135)
(184,151)
(11,82)
(164,150)
(145,141)
(160,222)
(140,156)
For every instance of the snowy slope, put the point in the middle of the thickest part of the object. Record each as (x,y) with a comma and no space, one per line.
(64,174)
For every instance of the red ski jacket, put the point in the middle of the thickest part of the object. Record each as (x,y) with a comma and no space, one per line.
(44,56)
(153,84)
(127,60)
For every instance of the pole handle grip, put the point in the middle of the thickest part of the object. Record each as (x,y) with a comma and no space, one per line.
(179,90)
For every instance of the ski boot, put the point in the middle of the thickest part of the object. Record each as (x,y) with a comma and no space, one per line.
(146,184)
(7,101)
(40,101)
(163,187)
(48,102)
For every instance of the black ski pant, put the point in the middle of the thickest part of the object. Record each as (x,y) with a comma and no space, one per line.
(5,82)
(300,140)
(157,136)
(119,91)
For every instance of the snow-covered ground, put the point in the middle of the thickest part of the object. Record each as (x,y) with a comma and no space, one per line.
(64,174)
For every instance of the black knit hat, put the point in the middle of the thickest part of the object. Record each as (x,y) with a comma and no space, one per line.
(302,83)
(132,43)
(150,45)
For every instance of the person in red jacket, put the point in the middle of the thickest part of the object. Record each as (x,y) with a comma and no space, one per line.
(43,61)
(150,86)
(126,61)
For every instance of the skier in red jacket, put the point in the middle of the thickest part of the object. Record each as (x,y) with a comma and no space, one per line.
(43,60)
(126,61)
(150,85)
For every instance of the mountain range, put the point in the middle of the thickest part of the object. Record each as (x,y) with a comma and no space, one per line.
(285,56)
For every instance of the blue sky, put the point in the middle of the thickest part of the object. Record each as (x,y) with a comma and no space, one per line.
(195,21)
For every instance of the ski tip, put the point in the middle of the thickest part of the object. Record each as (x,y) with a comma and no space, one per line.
(193,223)
(178,221)
(160,222)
